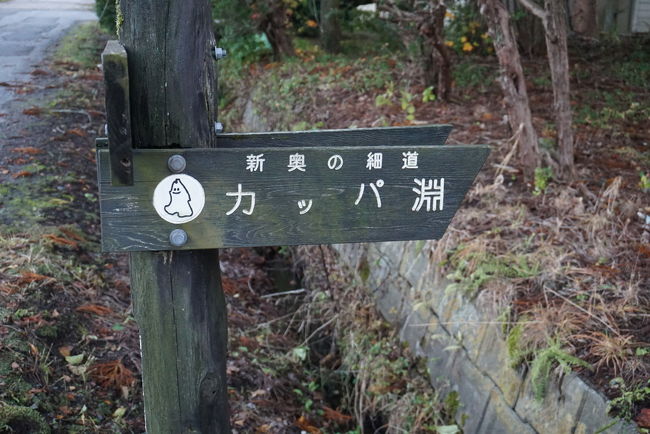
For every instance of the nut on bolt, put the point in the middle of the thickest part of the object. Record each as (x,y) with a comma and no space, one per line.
(178,238)
(218,127)
(219,53)
(176,163)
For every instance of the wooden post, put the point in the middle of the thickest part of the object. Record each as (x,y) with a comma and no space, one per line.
(177,296)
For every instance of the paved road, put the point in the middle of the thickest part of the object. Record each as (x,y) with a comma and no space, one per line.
(28,29)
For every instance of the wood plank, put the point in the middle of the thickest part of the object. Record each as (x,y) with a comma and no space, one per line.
(388,136)
(129,221)
(118,112)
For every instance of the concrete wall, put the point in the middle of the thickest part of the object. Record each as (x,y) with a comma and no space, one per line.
(465,350)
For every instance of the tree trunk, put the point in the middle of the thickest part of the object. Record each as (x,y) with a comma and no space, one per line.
(554,20)
(558,59)
(436,55)
(329,24)
(513,83)
(274,25)
(583,17)
(177,296)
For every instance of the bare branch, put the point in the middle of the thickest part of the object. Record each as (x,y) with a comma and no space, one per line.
(534,9)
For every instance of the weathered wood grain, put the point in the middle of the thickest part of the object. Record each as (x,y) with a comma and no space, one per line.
(177,296)
(129,221)
(388,136)
(118,119)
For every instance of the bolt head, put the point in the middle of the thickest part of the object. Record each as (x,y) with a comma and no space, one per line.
(218,127)
(219,53)
(176,163)
(178,237)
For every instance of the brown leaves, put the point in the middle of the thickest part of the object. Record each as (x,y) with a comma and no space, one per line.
(29,150)
(336,416)
(95,309)
(113,375)
(643,419)
(22,174)
(33,111)
(76,132)
(61,241)
(27,277)
(304,424)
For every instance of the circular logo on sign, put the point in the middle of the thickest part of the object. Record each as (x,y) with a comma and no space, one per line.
(179,199)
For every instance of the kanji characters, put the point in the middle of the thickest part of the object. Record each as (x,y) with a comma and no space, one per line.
(431,193)
(375,160)
(255,163)
(410,160)
(297,162)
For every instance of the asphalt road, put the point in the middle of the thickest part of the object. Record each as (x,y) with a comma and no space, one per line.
(28,29)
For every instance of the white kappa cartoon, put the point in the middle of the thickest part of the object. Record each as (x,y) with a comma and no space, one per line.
(179,200)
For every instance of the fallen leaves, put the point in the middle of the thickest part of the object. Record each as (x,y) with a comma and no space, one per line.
(29,150)
(643,419)
(33,111)
(336,416)
(22,174)
(61,241)
(113,375)
(304,424)
(95,309)
(28,277)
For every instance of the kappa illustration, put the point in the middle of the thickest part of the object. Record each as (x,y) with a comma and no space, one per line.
(179,200)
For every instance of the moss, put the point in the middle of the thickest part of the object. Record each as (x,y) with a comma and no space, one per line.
(364,269)
(20,419)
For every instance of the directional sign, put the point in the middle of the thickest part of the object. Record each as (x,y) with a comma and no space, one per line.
(257,196)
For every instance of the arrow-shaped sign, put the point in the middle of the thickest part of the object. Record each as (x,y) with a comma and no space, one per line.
(248,195)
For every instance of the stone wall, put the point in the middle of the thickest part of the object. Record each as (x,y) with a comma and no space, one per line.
(465,349)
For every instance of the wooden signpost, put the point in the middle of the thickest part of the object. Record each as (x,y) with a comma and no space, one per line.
(171,198)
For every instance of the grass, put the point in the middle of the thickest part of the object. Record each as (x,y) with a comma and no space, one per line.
(80,47)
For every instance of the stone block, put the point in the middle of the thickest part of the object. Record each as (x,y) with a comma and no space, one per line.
(415,264)
(492,358)
(593,416)
(473,388)
(415,328)
(556,413)
(501,418)
(466,324)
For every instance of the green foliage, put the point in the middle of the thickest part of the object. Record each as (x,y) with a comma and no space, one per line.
(406,102)
(516,351)
(625,405)
(81,46)
(473,269)
(471,75)
(106,14)
(21,419)
(547,358)
(644,182)
(608,109)
(542,177)
(465,31)
(428,94)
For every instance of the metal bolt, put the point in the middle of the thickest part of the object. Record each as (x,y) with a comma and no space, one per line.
(218,127)
(176,163)
(178,237)
(219,53)
(106,130)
